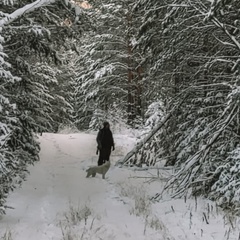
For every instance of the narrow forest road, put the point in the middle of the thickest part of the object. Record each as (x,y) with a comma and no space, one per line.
(58,202)
(58,183)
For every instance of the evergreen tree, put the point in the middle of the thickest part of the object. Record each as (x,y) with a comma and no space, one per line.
(12,166)
(110,74)
(191,50)
(30,41)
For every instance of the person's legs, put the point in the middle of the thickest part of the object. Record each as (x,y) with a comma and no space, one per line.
(107,154)
(104,155)
(101,157)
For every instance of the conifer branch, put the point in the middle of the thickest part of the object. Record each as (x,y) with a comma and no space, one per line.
(26,9)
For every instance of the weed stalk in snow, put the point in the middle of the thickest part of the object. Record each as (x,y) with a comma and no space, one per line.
(7,236)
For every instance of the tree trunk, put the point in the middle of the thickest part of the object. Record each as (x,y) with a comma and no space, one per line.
(139,91)
(131,114)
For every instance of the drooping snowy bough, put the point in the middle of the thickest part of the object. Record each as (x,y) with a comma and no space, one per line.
(24,10)
(135,150)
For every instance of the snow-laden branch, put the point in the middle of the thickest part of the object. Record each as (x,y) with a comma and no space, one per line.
(222,26)
(26,9)
(184,178)
(218,24)
(150,135)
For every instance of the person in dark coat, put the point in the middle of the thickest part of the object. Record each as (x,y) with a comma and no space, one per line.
(105,143)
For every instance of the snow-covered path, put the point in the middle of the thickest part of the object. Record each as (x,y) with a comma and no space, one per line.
(58,202)
(57,183)
(54,182)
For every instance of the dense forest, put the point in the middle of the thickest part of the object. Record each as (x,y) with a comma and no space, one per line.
(169,67)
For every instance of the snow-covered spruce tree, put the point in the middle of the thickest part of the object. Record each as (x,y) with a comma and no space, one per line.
(201,42)
(37,49)
(30,45)
(222,182)
(165,60)
(209,133)
(110,75)
(11,165)
(167,44)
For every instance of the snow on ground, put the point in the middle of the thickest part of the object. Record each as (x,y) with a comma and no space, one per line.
(58,202)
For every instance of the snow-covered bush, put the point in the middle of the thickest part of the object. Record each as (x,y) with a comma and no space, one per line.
(151,150)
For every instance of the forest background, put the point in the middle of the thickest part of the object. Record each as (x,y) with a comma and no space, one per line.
(149,64)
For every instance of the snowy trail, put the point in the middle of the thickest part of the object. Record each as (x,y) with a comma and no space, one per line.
(119,208)
(58,181)
(54,182)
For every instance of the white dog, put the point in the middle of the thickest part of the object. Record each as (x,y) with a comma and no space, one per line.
(102,169)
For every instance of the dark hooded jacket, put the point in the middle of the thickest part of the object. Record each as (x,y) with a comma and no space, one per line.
(105,138)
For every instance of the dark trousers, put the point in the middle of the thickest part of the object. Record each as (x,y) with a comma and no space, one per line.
(104,155)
